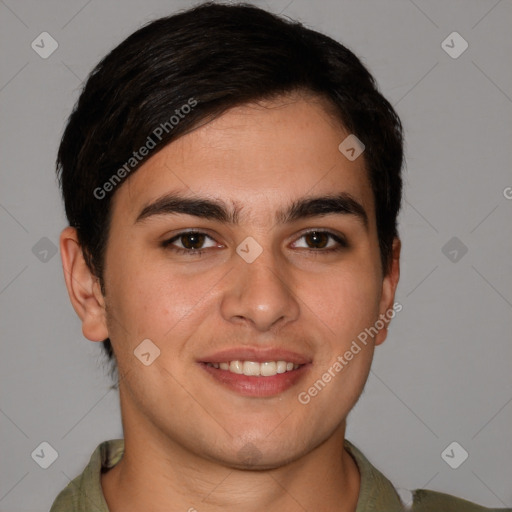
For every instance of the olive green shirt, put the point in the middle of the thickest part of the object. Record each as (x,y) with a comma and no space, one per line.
(377,494)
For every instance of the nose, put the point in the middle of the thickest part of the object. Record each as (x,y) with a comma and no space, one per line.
(260,293)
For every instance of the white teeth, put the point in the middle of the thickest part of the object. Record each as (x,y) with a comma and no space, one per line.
(281,366)
(254,369)
(236,367)
(268,369)
(251,368)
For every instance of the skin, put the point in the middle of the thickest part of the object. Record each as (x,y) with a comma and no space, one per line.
(183,430)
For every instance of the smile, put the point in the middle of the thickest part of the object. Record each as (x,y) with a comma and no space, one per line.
(255,369)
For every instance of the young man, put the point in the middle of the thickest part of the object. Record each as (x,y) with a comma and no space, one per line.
(232,184)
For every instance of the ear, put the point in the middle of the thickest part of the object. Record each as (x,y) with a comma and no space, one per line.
(389,284)
(83,287)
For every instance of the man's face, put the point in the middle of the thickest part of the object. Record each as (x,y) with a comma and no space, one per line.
(263,289)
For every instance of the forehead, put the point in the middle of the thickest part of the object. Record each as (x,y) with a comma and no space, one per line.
(256,157)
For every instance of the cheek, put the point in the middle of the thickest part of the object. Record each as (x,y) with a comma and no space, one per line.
(152,300)
(348,298)
(346,305)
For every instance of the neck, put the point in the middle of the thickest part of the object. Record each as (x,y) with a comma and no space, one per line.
(158,474)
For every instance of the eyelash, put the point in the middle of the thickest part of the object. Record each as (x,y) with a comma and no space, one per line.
(167,244)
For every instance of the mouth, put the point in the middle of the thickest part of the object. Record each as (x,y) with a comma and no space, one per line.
(256,373)
(255,369)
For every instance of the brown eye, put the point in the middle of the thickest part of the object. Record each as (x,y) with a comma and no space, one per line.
(189,242)
(322,241)
(318,239)
(192,240)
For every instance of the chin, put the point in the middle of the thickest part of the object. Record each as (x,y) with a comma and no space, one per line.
(261,453)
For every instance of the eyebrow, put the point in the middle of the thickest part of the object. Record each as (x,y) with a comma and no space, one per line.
(214,209)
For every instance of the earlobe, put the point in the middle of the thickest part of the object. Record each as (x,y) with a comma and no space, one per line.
(83,287)
(389,285)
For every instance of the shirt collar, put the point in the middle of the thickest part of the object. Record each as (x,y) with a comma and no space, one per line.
(376,492)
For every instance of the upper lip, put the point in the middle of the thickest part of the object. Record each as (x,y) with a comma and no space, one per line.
(257,355)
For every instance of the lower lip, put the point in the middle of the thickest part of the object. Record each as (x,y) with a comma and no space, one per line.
(257,386)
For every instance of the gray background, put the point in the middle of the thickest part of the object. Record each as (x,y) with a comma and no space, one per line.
(443,375)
